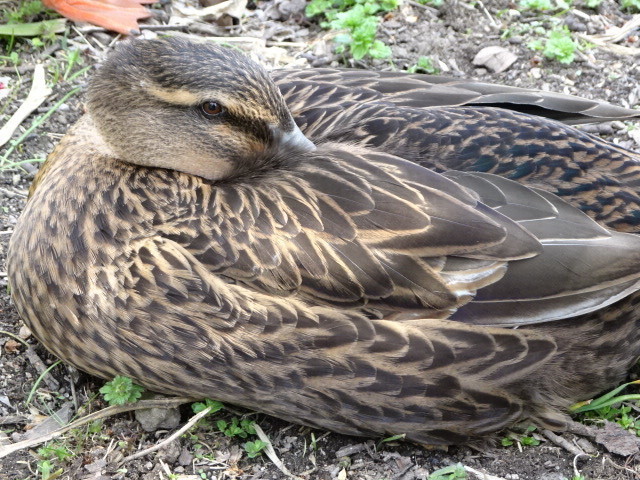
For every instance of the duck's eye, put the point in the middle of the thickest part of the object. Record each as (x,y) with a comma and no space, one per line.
(211,109)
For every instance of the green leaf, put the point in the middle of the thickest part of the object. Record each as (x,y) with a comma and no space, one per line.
(529,441)
(537,44)
(359,51)
(452,472)
(215,405)
(388,5)
(560,46)
(536,5)
(424,65)
(631,5)
(121,390)
(343,38)
(254,449)
(248,426)
(357,22)
(36,29)
(393,438)
(605,400)
(379,50)
(222,425)
(316,7)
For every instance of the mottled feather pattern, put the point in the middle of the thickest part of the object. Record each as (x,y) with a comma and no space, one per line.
(344,286)
(230,324)
(600,177)
(304,89)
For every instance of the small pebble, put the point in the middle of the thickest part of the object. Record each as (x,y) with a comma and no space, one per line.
(24,332)
(350,450)
(152,419)
(574,24)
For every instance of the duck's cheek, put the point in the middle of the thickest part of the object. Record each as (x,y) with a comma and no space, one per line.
(211,167)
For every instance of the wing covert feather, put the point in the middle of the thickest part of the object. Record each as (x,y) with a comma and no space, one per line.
(317,349)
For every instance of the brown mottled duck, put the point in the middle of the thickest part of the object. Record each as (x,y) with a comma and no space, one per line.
(371,253)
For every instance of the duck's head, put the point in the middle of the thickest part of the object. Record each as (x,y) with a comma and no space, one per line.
(193,107)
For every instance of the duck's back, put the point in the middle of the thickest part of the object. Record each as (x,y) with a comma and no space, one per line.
(445,124)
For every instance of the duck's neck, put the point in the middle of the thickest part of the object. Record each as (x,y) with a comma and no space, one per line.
(83,132)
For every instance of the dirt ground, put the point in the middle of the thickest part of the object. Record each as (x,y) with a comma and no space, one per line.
(451,36)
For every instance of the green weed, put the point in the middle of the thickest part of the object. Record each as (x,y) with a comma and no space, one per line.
(49,455)
(610,407)
(544,5)
(432,3)
(560,46)
(536,5)
(216,406)
(393,438)
(631,5)
(55,450)
(237,428)
(45,470)
(557,46)
(424,65)
(121,390)
(593,3)
(25,12)
(606,400)
(526,439)
(12,59)
(360,21)
(452,472)
(254,449)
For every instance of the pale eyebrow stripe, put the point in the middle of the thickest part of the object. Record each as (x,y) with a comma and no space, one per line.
(187,98)
(174,96)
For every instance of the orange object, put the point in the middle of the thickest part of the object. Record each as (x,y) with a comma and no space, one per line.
(118,15)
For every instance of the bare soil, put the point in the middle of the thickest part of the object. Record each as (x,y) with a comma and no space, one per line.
(451,36)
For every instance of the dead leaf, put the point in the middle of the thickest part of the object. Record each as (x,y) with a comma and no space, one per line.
(118,15)
(184,14)
(617,440)
(497,59)
(38,94)
(45,425)
(11,346)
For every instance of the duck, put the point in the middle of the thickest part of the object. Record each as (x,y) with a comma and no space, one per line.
(368,253)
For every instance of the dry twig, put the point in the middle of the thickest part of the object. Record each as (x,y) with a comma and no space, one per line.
(192,421)
(37,95)
(104,413)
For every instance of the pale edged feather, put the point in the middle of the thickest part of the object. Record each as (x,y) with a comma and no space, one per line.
(335,86)
(582,267)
